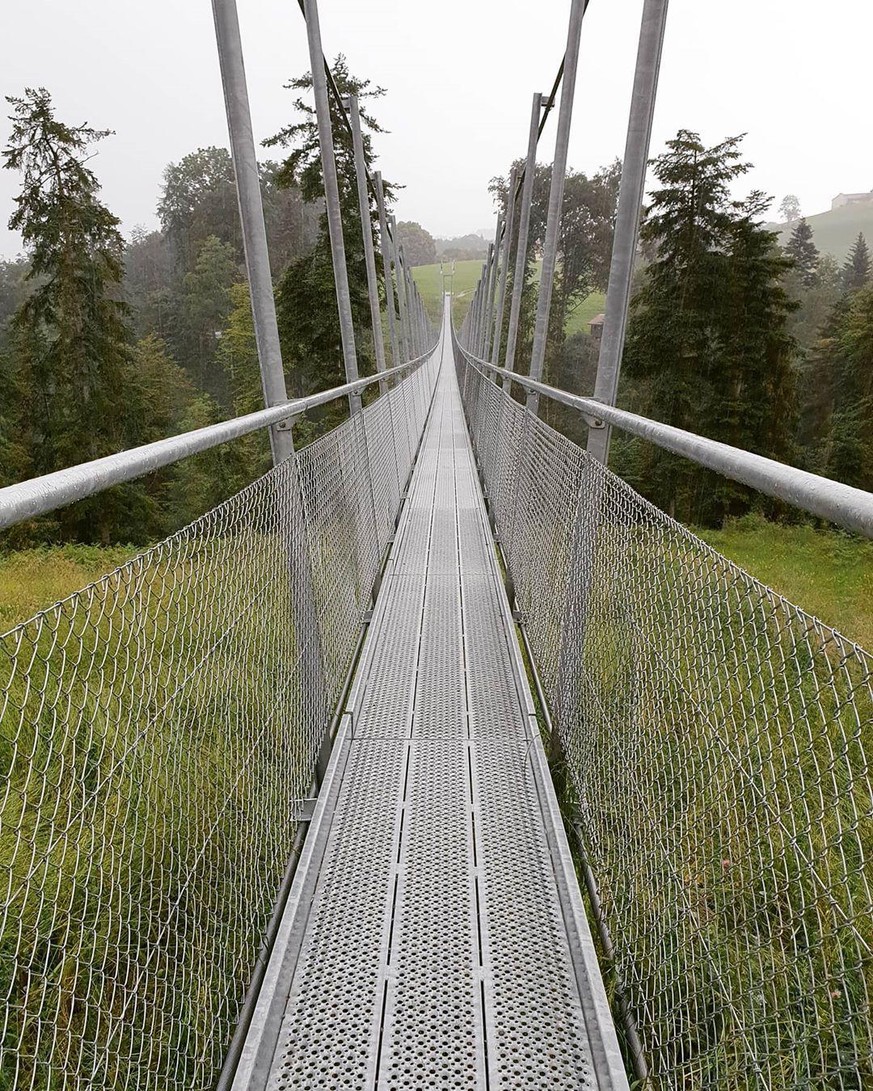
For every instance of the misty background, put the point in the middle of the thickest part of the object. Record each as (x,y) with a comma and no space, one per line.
(459,78)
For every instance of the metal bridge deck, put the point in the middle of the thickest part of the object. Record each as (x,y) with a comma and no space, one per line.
(434,936)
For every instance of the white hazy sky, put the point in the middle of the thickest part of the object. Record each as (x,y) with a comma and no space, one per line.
(792,74)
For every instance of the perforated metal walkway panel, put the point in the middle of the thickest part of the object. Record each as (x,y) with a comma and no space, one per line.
(434,936)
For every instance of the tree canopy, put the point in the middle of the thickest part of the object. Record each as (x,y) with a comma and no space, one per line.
(306,298)
(418,245)
(707,347)
(804,253)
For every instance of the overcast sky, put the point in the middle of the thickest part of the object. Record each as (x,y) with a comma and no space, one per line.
(792,74)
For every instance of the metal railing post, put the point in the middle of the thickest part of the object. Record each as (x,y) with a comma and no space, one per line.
(385,247)
(290,500)
(332,199)
(481,291)
(627,221)
(471,314)
(525,200)
(367,235)
(405,342)
(556,198)
(507,252)
(492,287)
(412,296)
(251,213)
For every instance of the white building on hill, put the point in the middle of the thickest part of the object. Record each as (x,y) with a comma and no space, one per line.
(851,199)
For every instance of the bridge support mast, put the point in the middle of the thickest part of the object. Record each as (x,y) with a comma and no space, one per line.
(385,247)
(530,166)
(556,198)
(251,212)
(507,251)
(332,199)
(492,289)
(367,233)
(627,223)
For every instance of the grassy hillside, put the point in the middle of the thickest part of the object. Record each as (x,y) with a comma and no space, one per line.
(834,232)
(427,277)
(827,573)
(467,274)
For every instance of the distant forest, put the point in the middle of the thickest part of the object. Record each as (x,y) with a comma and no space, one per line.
(107,343)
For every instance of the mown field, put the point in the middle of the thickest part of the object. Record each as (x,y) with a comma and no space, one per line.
(466,277)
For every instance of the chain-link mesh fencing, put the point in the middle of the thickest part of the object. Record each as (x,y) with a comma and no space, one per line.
(158,736)
(716,746)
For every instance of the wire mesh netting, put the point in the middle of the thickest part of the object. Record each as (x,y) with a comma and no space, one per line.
(158,735)
(716,744)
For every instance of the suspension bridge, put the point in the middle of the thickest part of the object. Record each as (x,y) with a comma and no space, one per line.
(437,757)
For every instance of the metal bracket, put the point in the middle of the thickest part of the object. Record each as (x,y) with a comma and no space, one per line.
(285,425)
(304,809)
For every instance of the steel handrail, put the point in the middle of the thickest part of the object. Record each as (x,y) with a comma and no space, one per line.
(841,504)
(40,495)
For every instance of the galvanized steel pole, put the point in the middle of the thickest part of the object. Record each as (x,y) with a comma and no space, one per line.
(385,247)
(415,309)
(251,212)
(627,222)
(405,339)
(507,252)
(332,199)
(367,234)
(556,198)
(481,292)
(526,200)
(492,287)
(470,319)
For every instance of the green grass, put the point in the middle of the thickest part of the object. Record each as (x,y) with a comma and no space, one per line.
(584,312)
(835,231)
(467,274)
(32,579)
(827,573)
(429,282)
(145,820)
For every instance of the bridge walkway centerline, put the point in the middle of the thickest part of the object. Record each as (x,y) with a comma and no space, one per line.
(434,936)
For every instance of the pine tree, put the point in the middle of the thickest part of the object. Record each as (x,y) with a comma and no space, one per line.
(707,347)
(70,337)
(205,310)
(849,440)
(804,253)
(306,299)
(856,270)
(237,355)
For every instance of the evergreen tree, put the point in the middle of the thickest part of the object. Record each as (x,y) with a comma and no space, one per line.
(843,373)
(306,299)
(205,310)
(804,253)
(707,346)
(856,270)
(237,355)
(70,336)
